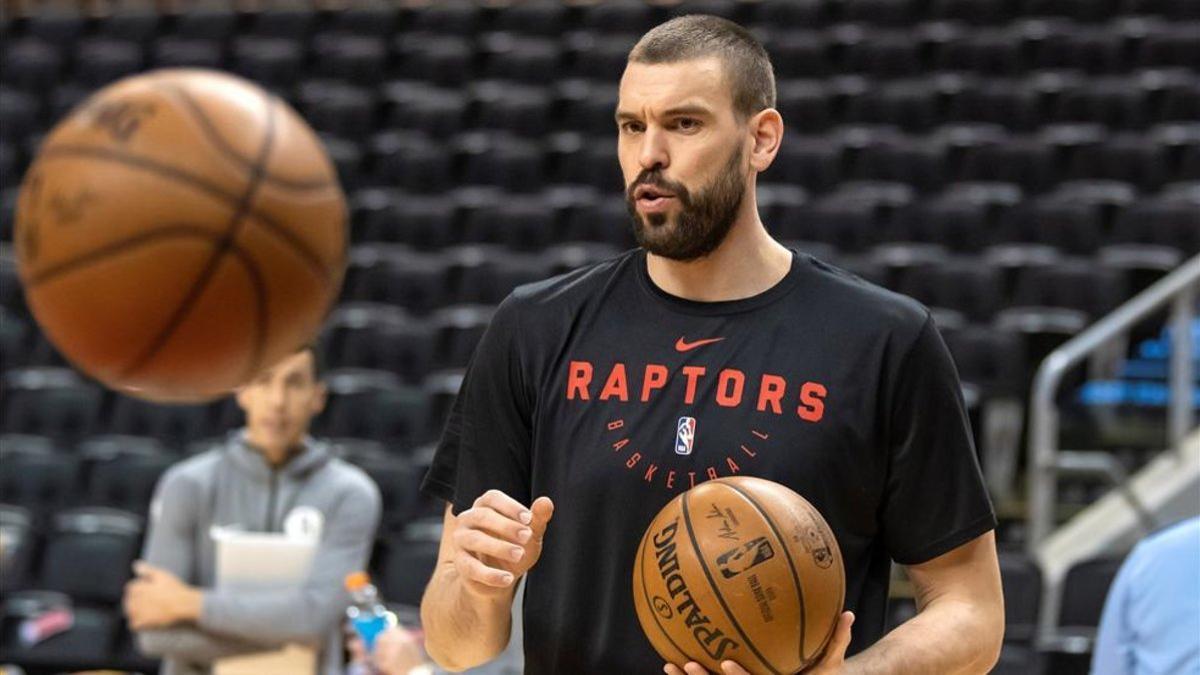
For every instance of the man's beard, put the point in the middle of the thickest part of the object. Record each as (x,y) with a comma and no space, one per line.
(703,220)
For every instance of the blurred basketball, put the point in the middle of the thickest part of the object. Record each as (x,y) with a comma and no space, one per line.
(178,232)
(743,569)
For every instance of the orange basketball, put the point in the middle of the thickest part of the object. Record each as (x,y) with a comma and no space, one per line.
(179,231)
(742,569)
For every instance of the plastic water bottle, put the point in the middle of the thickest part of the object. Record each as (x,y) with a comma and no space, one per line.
(367,613)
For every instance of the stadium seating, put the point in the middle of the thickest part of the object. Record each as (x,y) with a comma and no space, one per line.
(1020,166)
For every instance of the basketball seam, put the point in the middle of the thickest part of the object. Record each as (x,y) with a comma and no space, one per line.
(115,248)
(791,562)
(712,583)
(172,173)
(231,230)
(222,146)
(646,592)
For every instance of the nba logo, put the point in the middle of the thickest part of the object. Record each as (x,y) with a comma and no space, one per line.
(685,435)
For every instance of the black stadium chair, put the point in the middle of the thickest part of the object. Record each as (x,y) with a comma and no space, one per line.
(370,335)
(520,222)
(442,60)
(534,17)
(100,61)
(410,160)
(338,108)
(967,285)
(507,106)
(174,424)
(90,552)
(19,537)
(273,62)
(409,560)
(399,483)
(286,21)
(375,20)
(416,106)
(53,401)
(502,161)
(172,51)
(356,59)
(19,115)
(373,404)
(1167,219)
(1072,283)
(458,330)
(507,56)
(31,64)
(90,639)
(122,471)
(211,22)
(452,17)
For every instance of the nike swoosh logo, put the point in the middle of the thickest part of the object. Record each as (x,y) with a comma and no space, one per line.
(683,346)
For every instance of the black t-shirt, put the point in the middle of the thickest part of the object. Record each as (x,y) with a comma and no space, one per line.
(611,396)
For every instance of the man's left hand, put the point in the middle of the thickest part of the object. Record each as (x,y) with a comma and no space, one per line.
(155,598)
(830,663)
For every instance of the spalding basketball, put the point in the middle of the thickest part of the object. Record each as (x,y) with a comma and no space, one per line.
(739,569)
(178,232)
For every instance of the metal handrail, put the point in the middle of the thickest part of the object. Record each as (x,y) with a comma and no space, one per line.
(1180,288)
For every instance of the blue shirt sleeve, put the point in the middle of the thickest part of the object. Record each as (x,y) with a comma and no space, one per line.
(1113,652)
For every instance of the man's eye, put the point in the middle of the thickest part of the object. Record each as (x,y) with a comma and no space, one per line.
(631,127)
(688,123)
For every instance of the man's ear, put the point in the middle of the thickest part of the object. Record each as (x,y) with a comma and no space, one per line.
(242,396)
(767,130)
(320,398)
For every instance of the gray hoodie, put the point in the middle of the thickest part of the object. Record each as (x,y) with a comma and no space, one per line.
(232,485)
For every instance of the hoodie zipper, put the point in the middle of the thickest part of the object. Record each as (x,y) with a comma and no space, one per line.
(270,524)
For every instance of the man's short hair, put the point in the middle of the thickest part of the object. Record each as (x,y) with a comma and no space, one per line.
(318,358)
(748,68)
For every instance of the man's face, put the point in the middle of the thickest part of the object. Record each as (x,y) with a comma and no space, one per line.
(281,402)
(683,155)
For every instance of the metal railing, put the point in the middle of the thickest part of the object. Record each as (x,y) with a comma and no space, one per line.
(1180,289)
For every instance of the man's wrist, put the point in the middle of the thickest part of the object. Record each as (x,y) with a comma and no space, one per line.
(190,604)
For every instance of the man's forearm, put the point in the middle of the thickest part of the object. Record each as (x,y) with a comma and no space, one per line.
(947,638)
(192,644)
(462,629)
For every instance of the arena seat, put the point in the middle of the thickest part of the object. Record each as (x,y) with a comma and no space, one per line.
(20,546)
(801,53)
(458,329)
(19,114)
(273,61)
(373,404)
(366,19)
(35,476)
(294,21)
(408,562)
(134,23)
(53,401)
(207,21)
(398,483)
(500,160)
(620,16)
(172,51)
(546,18)
(90,552)
(503,105)
(338,108)
(515,58)
(173,424)
(968,285)
(379,336)
(122,471)
(452,17)
(519,222)
(442,60)
(1168,219)
(435,111)
(100,61)
(90,640)
(355,59)
(410,161)
(31,65)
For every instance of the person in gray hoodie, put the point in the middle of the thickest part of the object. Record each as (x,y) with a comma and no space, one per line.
(266,476)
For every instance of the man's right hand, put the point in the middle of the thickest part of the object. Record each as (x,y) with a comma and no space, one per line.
(497,540)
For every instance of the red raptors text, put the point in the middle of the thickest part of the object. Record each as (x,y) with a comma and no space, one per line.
(731,390)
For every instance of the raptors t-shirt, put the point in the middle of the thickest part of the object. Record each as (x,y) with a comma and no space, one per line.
(611,396)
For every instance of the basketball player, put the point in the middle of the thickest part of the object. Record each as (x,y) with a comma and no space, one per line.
(267,477)
(710,350)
